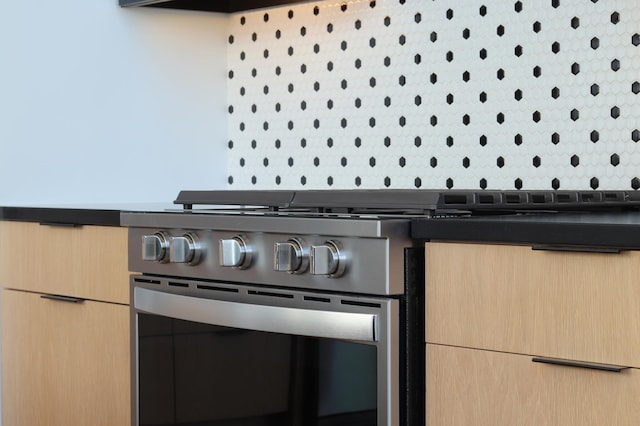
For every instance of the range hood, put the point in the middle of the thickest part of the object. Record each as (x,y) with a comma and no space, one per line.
(225,6)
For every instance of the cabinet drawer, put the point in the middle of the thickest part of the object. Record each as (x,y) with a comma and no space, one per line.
(484,388)
(570,305)
(64,363)
(87,262)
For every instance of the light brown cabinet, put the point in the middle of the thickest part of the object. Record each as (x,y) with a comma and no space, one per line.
(87,261)
(64,361)
(491,308)
(488,388)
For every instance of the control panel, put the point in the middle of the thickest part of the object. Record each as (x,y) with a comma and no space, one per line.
(293,256)
(353,264)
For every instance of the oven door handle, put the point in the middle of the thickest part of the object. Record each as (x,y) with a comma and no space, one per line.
(276,319)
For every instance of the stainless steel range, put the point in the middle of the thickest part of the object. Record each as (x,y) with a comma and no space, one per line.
(292,308)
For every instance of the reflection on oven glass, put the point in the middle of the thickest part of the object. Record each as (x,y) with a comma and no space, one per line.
(198,374)
(345,382)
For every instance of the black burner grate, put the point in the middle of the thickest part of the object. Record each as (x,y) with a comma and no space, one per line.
(412,201)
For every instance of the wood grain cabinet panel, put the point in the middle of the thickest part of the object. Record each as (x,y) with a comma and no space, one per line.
(64,363)
(573,305)
(486,388)
(87,261)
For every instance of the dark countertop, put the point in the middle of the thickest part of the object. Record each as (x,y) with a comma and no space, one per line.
(597,230)
(77,214)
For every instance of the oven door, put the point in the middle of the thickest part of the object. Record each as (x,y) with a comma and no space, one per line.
(221,354)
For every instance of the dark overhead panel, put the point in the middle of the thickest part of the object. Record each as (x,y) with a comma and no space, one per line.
(226,6)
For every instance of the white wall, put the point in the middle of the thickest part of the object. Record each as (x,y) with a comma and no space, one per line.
(106,104)
(103,104)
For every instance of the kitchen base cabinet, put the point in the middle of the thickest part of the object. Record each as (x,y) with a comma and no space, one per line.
(64,363)
(553,303)
(485,388)
(65,325)
(84,261)
(487,305)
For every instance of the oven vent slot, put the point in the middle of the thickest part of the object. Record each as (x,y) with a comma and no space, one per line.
(356,303)
(540,198)
(564,198)
(590,197)
(270,294)
(146,281)
(455,199)
(317,299)
(175,284)
(612,196)
(215,288)
(513,199)
(486,199)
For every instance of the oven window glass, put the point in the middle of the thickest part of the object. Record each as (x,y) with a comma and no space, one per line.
(199,374)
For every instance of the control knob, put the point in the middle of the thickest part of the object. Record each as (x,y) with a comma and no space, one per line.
(186,249)
(291,256)
(328,259)
(235,252)
(155,247)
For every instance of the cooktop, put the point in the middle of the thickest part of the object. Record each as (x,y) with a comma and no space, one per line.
(410,201)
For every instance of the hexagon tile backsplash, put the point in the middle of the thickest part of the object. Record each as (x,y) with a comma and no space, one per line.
(460,94)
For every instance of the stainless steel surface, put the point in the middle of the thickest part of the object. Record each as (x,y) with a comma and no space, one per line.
(155,247)
(291,256)
(331,273)
(300,322)
(328,259)
(185,249)
(376,265)
(331,225)
(235,252)
(370,320)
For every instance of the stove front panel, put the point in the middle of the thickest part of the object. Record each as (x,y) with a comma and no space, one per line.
(363,265)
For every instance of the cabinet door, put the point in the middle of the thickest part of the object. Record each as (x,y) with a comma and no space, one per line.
(87,261)
(582,306)
(484,388)
(64,363)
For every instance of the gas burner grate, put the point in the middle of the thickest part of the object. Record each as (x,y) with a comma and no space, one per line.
(409,202)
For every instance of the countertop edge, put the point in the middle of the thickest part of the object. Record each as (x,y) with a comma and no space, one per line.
(533,232)
(62,216)
(608,230)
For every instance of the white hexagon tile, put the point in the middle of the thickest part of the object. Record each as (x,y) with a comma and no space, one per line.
(459,94)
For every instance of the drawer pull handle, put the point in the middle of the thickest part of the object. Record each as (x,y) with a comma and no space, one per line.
(62,298)
(581,364)
(606,250)
(61,224)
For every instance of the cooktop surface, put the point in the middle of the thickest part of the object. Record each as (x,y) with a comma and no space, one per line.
(403,202)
